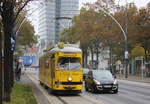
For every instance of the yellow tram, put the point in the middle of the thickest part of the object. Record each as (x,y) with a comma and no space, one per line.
(60,68)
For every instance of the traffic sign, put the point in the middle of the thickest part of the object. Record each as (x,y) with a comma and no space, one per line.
(13,44)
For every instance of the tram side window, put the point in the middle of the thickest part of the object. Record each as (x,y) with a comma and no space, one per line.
(67,63)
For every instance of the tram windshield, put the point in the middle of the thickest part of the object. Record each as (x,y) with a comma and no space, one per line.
(69,63)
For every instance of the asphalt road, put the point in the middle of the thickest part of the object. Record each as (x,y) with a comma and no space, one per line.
(129,93)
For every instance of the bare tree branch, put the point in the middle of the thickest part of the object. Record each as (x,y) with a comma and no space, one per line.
(20,9)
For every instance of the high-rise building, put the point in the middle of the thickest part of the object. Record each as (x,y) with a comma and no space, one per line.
(54,15)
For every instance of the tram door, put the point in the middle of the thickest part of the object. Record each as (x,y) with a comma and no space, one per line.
(52,70)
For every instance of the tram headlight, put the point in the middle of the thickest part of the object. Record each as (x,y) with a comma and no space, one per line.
(69,79)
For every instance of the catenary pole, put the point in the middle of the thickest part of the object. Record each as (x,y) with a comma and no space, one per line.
(126,43)
(125,37)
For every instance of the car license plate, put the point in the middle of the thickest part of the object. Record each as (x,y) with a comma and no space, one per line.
(107,86)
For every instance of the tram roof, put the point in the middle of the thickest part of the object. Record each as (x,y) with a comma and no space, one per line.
(66,49)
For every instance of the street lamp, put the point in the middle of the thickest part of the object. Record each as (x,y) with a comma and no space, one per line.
(125,37)
(16,33)
(23,21)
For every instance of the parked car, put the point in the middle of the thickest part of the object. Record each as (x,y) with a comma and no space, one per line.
(85,72)
(101,80)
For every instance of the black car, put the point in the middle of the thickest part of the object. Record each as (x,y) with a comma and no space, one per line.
(101,80)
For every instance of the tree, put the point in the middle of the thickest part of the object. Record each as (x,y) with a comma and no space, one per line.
(143,26)
(1,71)
(82,27)
(138,51)
(67,35)
(7,20)
(9,10)
(93,23)
(25,37)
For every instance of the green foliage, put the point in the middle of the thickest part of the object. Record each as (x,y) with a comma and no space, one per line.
(26,34)
(67,35)
(92,26)
(138,51)
(118,50)
(20,51)
(22,94)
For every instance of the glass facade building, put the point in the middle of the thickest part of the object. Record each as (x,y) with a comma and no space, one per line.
(54,15)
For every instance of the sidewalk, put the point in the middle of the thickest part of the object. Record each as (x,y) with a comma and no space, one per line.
(134,78)
(37,93)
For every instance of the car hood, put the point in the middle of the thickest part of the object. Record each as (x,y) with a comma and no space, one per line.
(106,81)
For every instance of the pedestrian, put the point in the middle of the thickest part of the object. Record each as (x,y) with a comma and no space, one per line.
(18,71)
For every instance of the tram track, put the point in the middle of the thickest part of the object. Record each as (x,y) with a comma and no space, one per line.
(126,94)
(77,99)
(52,99)
(63,101)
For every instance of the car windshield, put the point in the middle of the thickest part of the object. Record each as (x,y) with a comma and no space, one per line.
(69,63)
(102,74)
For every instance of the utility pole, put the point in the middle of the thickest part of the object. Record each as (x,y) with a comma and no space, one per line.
(125,37)
(1,71)
(126,42)
(110,56)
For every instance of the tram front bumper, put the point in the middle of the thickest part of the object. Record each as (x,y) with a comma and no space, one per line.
(69,88)
(68,85)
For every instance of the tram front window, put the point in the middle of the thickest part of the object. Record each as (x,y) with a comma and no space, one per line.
(67,63)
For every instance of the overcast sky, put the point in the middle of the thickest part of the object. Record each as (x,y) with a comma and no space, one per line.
(139,3)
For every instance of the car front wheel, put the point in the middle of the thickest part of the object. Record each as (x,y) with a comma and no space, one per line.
(116,91)
(93,89)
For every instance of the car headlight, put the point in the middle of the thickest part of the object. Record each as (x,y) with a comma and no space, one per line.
(69,79)
(115,81)
(97,82)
